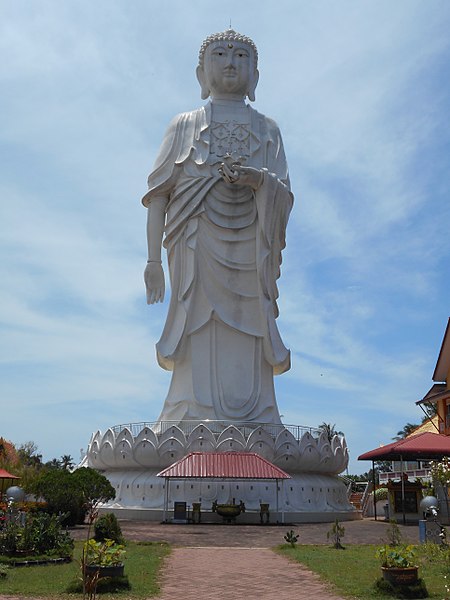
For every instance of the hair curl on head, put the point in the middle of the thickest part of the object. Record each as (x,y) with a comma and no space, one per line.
(229,35)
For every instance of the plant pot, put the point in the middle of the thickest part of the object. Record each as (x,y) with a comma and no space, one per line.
(106,571)
(400,575)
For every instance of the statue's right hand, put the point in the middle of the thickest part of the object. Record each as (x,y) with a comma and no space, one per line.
(154,282)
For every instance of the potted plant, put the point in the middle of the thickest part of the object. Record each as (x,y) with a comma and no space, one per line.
(398,565)
(104,558)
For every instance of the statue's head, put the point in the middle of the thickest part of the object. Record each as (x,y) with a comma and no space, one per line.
(228,65)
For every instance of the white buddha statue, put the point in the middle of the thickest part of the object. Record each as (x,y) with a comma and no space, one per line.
(219,193)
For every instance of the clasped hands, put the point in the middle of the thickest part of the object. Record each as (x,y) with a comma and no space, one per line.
(233,172)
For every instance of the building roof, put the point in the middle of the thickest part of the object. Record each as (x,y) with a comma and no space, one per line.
(5,475)
(437,391)
(424,445)
(430,425)
(443,361)
(223,465)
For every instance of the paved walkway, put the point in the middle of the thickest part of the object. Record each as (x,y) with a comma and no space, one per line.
(238,573)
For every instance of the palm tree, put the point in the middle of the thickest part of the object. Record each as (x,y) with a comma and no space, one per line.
(67,462)
(330,430)
(403,433)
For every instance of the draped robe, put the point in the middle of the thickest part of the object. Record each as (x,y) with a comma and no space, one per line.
(224,246)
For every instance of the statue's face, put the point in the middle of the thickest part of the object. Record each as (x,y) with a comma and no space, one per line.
(228,68)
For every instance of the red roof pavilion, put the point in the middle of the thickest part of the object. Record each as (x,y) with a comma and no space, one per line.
(223,465)
(423,445)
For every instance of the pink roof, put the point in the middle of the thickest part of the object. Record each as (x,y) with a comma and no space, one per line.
(224,465)
(5,475)
(422,445)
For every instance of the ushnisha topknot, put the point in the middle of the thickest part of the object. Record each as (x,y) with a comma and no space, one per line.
(229,35)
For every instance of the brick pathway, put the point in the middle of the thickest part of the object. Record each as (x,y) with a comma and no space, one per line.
(238,573)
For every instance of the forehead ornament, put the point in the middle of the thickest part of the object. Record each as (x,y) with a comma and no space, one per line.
(228,36)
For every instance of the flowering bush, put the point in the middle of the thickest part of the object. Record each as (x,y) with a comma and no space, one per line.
(440,471)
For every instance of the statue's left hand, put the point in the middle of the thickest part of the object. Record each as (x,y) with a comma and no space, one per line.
(249,176)
(154,282)
(240,175)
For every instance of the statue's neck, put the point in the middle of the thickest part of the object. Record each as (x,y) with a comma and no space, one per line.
(228,100)
(227,110)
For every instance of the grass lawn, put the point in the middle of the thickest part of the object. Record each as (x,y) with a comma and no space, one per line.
(354,570)
(142,566)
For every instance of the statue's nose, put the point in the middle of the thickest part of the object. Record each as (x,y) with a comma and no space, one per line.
(230,60)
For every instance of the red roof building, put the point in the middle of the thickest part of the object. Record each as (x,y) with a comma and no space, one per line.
(427,446)
(223,465)
(6,480)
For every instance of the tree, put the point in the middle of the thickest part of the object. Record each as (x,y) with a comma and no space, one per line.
(57,488)
(93,487)
(67,462)
(53,464)
(407,430)
(8,454)
(73,494)
(330,430)
(430,411)
(28,455)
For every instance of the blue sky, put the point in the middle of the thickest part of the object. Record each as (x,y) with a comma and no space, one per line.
(361,92)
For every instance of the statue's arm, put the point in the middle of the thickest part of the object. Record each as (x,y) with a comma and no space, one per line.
(154,274)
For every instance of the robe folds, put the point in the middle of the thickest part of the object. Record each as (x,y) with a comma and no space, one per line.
(224,245)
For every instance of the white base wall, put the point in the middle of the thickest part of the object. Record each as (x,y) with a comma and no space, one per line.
(306,497)
(247,518)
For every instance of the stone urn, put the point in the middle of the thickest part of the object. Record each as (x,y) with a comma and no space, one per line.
(229,512)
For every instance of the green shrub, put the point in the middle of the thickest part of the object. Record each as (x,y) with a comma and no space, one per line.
(381,494)
(104,554)
(107,528)
(3,571)
(397,556)
(40,535)
(10,538)
(291,538)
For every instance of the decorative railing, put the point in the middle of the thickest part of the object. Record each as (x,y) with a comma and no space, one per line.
(411,473)
(158,444)
(216,427)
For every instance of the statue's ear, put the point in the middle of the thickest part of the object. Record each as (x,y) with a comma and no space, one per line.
(203,84)
(252,85)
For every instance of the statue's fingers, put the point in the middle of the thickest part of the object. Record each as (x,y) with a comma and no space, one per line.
(226,169)
(153,296)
